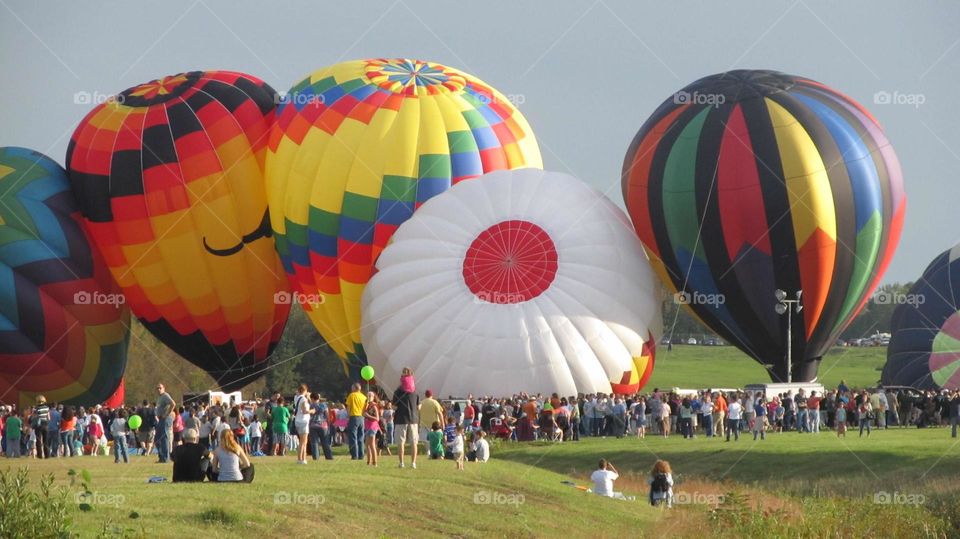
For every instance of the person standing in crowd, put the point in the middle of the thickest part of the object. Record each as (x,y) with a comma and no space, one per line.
(707,410)
(431,411)
(863,416)
(406,416)
(255,430)
(356,404)
(954,413)
(53,432)
(303,412)
(319,428)
(148,426)
(813,412)
(841,420)
(164,412)
(734,410)
(664,419)
(12,434)
(40,423)
(893,407)
(456,448)
(118,429)
(575,417)
(759,418)
(720,414)
(68,424)
(280,427)
(371,426)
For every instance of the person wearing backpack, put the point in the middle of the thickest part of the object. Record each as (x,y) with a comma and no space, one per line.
(661,484)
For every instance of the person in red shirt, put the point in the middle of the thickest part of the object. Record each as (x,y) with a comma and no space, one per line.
(813,411)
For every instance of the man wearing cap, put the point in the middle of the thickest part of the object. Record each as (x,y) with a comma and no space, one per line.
(188,459)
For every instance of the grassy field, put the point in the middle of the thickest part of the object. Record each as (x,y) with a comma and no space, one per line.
(691,367)
(797,480)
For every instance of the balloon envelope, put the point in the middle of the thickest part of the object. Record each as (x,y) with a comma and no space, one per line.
(356,148)
(924,349)
(169,177)
(64,326)
(521,281)
(747,182)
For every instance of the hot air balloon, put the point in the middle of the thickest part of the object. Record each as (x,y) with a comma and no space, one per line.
(749,182)
(169,177)
(522,280)
(356,148)
(924,349)
(64,326)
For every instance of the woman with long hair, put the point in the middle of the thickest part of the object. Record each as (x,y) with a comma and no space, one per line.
(302,412)
(661,484)
(68,423)
(371,425)
(229,458)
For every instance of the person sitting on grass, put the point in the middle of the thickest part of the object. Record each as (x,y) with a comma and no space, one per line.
(661,484)
(190,460)
(435,441)
(481,448)
(603,478)
(230,462)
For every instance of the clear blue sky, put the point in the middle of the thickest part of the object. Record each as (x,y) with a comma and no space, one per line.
(586,74)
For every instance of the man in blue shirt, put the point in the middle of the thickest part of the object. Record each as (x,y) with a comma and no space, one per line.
(53,431)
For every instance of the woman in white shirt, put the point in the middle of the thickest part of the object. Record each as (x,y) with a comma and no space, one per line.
(302,411)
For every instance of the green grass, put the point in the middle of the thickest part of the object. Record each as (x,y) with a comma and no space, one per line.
(694,367)
(343,498)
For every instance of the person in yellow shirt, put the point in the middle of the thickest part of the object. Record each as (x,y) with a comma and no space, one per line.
(430,411)
(356,403)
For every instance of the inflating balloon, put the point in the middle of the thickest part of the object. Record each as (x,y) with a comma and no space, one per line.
(924,349)
(356,148)
(521,281)
(135,421)
(169,176)
(747,182)
(63,323)
(367,373)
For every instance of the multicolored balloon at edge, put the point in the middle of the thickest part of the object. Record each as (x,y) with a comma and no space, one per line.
(356,148)
(169,177)
(746,182)
(64,327)
(924,349)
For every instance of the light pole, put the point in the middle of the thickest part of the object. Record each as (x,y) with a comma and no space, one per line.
(788,306)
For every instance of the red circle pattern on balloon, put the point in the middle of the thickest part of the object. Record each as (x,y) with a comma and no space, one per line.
(510,262)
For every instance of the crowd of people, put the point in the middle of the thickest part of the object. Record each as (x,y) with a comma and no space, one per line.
(217,440)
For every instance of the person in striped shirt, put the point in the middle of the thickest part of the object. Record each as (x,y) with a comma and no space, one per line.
(39,422)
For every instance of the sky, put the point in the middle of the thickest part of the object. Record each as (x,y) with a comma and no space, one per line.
(585,74)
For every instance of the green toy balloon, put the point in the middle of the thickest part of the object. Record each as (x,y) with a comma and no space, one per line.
(135,421)
(366,373)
